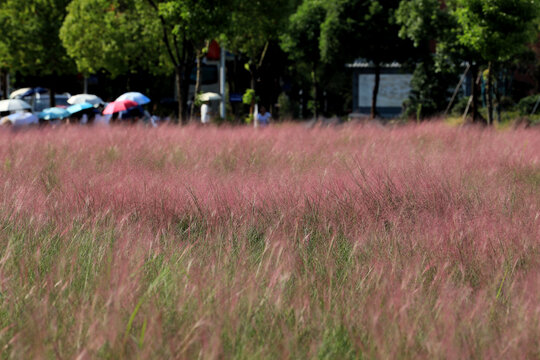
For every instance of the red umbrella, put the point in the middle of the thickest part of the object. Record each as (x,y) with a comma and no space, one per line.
(117,106)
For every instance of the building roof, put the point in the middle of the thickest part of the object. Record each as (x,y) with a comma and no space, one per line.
(364,64)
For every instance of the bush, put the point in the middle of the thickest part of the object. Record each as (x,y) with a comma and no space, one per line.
(507,103)
(429,90)
(250,97)
(526,105)
(286,108)
(459,106)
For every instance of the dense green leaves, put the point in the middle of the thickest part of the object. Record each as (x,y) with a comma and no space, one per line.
(497,29)
(302,41)
(113,35)
(365,29)
(30,42)
(480,32)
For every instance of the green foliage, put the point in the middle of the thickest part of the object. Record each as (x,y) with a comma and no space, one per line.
(526,105)
(370,24)
(196,21)
(301,40)
(114,35)
(249,97)
(287,108)
(420,20)
(507,103)
(497,29)
(252,25)
(30,42)
(363,29)
(424,21)
(430,90)
(459,106)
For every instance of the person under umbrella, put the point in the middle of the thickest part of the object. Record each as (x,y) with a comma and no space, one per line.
(19,119)
(13,105)
(80,112)
(135,96)
(85,98)
(116,107)
(53,115)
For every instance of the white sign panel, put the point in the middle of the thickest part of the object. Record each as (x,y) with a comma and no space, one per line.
(393,89)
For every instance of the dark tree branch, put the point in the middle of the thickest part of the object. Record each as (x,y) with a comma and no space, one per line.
(165,35)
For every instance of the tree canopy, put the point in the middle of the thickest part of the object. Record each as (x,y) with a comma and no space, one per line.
(116,36)
(302,42)
(364,29)
(50,38)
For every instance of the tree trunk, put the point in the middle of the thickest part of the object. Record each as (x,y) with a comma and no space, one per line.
(3,87)
(179,93)
(489,95)
(497,94)
(315,96)
(5,84)
(474,93)
(197,84)
(375,90)
(52,97)
(188,67)
(253,85)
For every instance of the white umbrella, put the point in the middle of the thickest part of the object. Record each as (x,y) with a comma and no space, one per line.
(18,93)
(134,96)
(20,119)
(14,105)
(85,98)
(209,96)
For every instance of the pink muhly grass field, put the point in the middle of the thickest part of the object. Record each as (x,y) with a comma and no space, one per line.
(420,241)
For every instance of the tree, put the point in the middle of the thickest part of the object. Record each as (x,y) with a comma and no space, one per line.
(425,21)
(212,17)
(4,63)
(364,29)
(254,24)
(301,41)
(475,31)
(427,24)
(113,35)
(30,38)
(497,30)
(155,34)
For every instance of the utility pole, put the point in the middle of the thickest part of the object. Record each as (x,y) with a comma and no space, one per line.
(222,83)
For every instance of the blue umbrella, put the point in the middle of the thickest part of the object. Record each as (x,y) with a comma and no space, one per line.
(135,96)
(53,113)
(79,107)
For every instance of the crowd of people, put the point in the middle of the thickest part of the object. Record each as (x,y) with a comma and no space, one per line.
(87,109)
